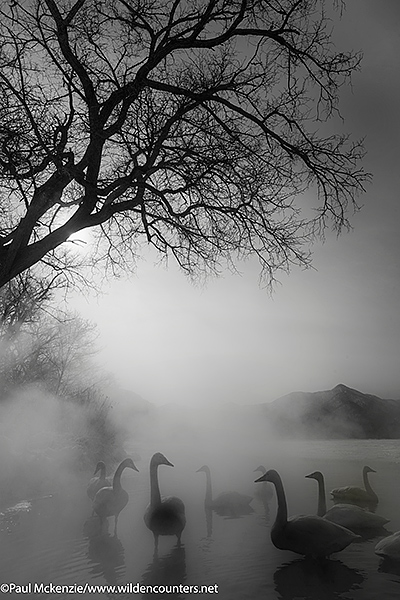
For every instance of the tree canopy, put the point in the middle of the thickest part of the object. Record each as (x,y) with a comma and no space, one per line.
(196,127)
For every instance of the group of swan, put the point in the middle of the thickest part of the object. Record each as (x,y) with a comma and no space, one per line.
(109,500)
(333,530)
(305,534)
(163,516)
(348,515)
(312,535)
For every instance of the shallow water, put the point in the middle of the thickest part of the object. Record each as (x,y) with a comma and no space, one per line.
(62,545)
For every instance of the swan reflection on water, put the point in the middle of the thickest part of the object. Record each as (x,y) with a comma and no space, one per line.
(207,541)
(105,552)
(108,558)
(209,522)
(93,527)
(166,570)
(316,579)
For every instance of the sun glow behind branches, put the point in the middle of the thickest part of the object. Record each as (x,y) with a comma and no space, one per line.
(81,241)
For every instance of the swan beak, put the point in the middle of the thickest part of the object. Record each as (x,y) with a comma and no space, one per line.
(135,468)
(262,478)
(168,463)
(308,476)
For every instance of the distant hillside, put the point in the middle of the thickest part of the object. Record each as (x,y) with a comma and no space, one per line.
(338,413)
(330,414)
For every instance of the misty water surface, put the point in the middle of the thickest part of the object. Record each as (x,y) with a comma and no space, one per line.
(57,545)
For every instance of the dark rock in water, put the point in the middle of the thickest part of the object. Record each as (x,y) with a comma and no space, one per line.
(338,413)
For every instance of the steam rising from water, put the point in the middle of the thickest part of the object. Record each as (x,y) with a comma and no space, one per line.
(236,552)
(42,444)
(45,443)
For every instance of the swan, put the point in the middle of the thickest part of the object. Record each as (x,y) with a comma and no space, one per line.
(263,492)
(227,503)
(163,516)
(109,501)
(96,483)
(389,547)
(351,516)
(356,495)
(309,535)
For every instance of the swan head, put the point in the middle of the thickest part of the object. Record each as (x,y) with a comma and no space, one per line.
(203,468)
(367,469)
(315,475)
(128,463)
(262,469)
(271,475)
(160,459)
(99,467)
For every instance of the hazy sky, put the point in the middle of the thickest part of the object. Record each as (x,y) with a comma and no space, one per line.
(170,341)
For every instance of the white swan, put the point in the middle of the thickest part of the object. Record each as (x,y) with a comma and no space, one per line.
(109,501)
(355,495)
(226,503)
(96,483)
(309,535)
(389,547)
(264,491)
(163,516)
(351,516)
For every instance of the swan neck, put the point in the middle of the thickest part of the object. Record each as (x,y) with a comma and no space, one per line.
(321,497)
(367,484)
(208,498)
(117,477)
(102,472)
(281,515)
(155,496)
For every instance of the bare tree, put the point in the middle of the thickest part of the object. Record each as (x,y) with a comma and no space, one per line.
(41,343)
(67,351)
(195,127)
(22,301)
